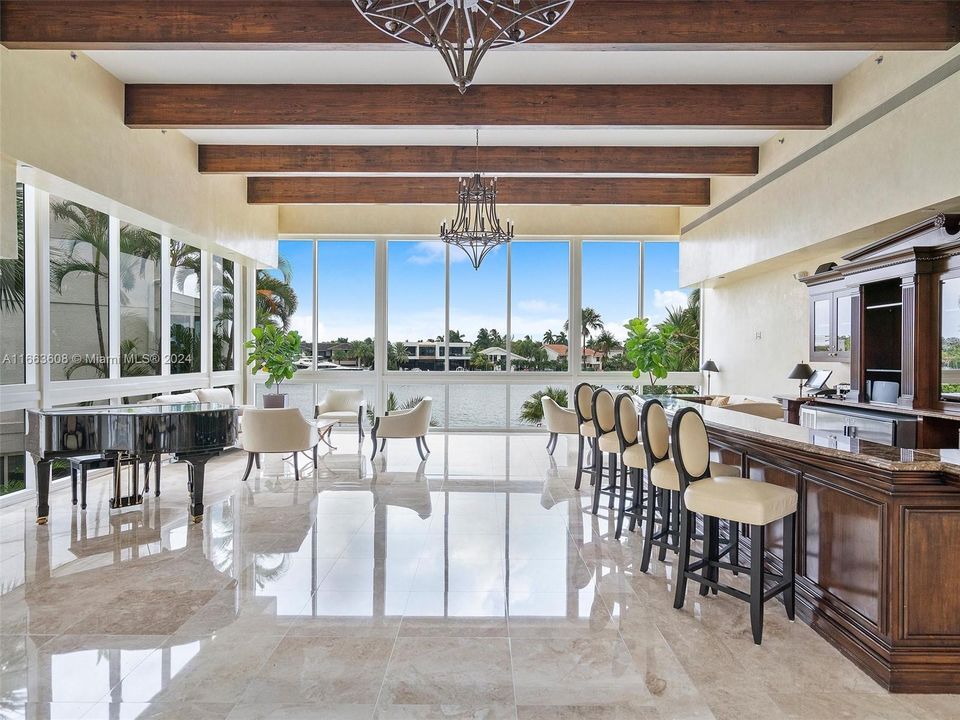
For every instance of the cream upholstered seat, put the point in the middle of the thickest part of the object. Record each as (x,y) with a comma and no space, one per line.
(603,409)
(559,421)
(277,430)
(413,423)
(664,474)
(342,406)
(739,500)
(632,459)
(582,396)
(609,442)
(220,396)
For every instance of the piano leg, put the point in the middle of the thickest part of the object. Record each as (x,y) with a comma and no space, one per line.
(197,464)
(43,490)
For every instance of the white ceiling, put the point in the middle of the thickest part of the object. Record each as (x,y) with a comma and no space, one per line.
(533,136)
(520,65)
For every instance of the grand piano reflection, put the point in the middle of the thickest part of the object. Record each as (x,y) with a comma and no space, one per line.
(191,432)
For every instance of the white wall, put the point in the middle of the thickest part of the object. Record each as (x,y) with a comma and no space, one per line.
(64,117)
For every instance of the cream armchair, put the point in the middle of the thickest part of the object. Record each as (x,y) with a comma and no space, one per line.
(277,430)
(220,396)
(343,406)
(559,421)
(412,423)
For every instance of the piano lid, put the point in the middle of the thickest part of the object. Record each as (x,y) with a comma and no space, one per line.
(145,410)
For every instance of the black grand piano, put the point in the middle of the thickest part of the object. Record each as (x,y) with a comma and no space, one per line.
(192,432)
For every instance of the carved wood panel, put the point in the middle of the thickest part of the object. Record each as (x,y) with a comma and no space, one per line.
(931,586)
(843,544)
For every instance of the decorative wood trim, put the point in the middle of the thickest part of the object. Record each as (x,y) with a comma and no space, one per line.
(591,24)
(443,191)
(779,107)
(423,160)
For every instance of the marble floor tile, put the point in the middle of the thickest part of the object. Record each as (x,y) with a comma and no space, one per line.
(472,674)
(476,585)
(329,669)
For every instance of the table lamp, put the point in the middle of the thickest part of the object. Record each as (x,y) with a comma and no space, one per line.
(801,372)
(709,367)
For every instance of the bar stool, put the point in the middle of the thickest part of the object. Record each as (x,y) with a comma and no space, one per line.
(605,427)
(663,494)
(633,459)
(582,396)
(737,499)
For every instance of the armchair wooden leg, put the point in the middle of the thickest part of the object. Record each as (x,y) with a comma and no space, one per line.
(246,473)
(314,459)
(423,455)
(256,459)
(423,439)
(296,467)
(552,443)
(73,484)
(373,438)
(789,562)
(648,528)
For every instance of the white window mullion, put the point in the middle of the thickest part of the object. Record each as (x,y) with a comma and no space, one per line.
(316,306)
(31,280)
(380,329)
(43,284)
(574,360)
(250,321)
(165,298)
(642,254)
(113,298)
(509,338)
(205,283)
(446,309)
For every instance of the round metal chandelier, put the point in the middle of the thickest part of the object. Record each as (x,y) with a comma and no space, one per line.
(463,30)
(476,230)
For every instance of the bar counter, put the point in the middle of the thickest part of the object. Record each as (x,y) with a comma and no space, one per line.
(878,546)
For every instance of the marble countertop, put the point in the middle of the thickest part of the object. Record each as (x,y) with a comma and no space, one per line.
(777,432)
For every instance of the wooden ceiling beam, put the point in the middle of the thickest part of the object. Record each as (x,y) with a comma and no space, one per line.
(779,107)
(442,191)
(413,160)
(591,24)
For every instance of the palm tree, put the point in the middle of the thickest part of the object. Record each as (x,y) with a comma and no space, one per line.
(549,338)
(276,298)
(590,320)
(12,269)
(531,412)
(396,356)
(683,325)
(88,229)
(604,343)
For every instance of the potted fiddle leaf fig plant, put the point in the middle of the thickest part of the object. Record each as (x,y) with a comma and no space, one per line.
(274,351)
(648,348)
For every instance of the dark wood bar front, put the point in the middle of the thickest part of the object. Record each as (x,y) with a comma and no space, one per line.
(878,546)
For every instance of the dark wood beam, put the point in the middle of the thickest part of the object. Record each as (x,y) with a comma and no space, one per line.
(413,160)
(595,24)
(442,190)
(736,106)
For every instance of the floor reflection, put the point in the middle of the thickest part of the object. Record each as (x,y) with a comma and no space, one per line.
(402,582)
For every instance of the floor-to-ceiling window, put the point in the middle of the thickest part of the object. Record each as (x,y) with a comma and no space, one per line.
(79,291)
(415,290)
(478,311)
(610,297)
(345,302)
(140,301)
(540,292)
(223,314)
(185,308)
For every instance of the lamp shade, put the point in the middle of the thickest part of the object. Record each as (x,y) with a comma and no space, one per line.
(801,371)
(709,366)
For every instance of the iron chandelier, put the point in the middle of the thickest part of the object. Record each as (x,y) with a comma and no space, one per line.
(463,30)
(476,230)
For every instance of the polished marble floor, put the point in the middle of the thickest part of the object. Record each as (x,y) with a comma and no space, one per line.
(474,585)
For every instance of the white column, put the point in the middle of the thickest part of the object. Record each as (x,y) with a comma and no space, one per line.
(380,329)
(113,301)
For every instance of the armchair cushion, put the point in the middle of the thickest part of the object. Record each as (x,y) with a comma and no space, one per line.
(187,397)
(558,419)
(347,400)
(406,424)
(277,430)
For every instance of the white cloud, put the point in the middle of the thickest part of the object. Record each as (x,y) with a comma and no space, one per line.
(538,306)
(432,253)
(669,299)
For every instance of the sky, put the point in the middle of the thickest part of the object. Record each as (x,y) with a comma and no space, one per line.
(478,298)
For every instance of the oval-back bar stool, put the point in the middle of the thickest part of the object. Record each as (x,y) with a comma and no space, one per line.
(582,404)
(736,499)
(663,495)
(607,443)
(633,459)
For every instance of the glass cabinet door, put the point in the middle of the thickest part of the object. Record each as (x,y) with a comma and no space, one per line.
(843,305)
(822,345)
